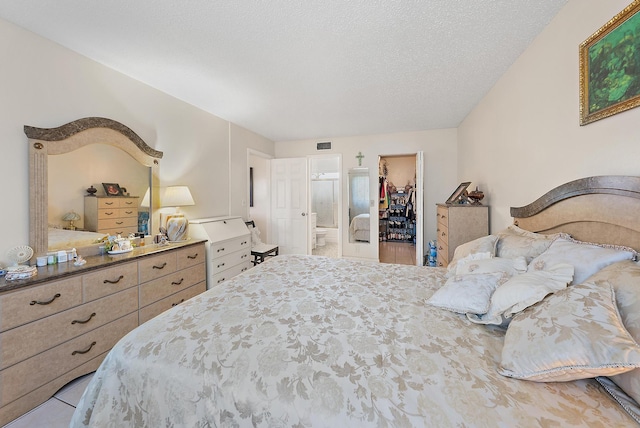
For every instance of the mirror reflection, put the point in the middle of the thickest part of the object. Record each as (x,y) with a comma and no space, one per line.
(359,221)
(69,176)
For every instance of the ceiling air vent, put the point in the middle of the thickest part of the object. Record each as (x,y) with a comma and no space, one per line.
(324,146)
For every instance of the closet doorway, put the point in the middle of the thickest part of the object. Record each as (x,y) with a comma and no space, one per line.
(325,205)
(400,209)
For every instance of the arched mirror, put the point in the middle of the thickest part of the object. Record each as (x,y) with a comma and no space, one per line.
(359,220)
(99,143)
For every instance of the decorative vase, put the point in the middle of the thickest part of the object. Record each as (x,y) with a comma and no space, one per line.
(92,191)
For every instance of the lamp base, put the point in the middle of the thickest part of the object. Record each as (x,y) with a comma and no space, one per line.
(177,228)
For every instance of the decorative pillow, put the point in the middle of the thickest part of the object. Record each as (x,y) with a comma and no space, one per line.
(515,242)
(586,258)
(467,293)
(481,248)
(575,333)
(496,264)
(522,291)
(624,277)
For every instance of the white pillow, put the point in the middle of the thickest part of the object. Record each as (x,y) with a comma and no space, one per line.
(522,291)
(497,264)
(515,242)
(467,293)
(587,259)
(575,333)
(624,277)
(481,248)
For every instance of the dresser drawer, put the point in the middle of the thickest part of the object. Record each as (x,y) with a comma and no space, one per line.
(157,266)
(228,261)
(115,223)
(219,249)
(104,203)
(220,277)
(160,306)
(108,281)
(31,339)
(39,301)
(124,231)
(155,290)
(191,256)
(442,260)
(113,213)
(29,374)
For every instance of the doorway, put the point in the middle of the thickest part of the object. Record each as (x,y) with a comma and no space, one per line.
(325,203)
(399,210)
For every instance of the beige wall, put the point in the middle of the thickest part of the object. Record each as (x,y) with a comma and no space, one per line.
(401,170)
(45,85)
(440,157)
(524,137)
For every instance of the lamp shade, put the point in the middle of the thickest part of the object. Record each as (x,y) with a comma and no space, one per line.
(71,216)
(177,196)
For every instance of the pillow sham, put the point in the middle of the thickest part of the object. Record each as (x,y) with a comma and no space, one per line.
(515,242)
(575,333)
(467,293)
(481,248)
(522,291)
(624,277)
(511,267)
(586,258)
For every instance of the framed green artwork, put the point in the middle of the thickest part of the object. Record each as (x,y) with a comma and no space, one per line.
(610,67)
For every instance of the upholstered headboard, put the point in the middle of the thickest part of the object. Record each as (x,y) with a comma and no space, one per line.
(601,209)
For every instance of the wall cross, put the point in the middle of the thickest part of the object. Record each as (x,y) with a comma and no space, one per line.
(360,156)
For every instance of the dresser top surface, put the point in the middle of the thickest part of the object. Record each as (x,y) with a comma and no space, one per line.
(63,270)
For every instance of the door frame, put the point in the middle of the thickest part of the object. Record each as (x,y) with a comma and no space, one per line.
(255,153)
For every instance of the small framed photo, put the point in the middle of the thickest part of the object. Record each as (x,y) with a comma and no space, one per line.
(112,189)
(458,193)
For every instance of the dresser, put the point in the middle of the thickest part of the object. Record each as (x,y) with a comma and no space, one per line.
(228,246)
(115,215)
(458,224)
(60,324)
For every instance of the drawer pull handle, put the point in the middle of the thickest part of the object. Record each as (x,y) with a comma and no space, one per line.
(444,234)
(85,351)
(440,248)
(176,304)
(244,269)
(120,233)
(160,267)
(128,203)
(108,281)
(243,256)
(177,283)
(243,243)
(195,256)
(108,203)
(85,321)
(128,212)
(221,264)
(119,222)
(108,213)
(36,302)
(220,249)
(220,280)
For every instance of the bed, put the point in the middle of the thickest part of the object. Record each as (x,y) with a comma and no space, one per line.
(311,341)
(359,228)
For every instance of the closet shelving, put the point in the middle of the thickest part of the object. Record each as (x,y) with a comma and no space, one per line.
(397,222)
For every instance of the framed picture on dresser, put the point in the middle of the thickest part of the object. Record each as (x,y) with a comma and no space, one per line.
(458,193)
(112,189)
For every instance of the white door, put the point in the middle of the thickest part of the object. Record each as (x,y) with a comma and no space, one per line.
(289,227)
(420,208)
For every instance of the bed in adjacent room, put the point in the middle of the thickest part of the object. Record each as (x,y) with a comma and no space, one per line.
(514,333)
(359,228)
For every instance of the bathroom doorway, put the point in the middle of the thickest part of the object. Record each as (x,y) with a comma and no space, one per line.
(325,205)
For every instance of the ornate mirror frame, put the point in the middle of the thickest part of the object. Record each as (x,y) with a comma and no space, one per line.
(67,138)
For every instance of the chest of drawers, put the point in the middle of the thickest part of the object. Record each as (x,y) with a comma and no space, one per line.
(228,246)
(458,224)
(112,215)
(60,328)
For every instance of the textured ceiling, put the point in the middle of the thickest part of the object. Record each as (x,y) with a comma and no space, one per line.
(303,69)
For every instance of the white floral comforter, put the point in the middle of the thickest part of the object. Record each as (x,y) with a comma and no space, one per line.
(306,341)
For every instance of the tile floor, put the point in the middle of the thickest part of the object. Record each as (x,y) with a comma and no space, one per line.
(57,411)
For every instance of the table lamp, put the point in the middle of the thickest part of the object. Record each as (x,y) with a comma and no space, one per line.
(177,224)
(71,217)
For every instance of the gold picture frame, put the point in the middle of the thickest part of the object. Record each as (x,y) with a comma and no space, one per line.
(610,67)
